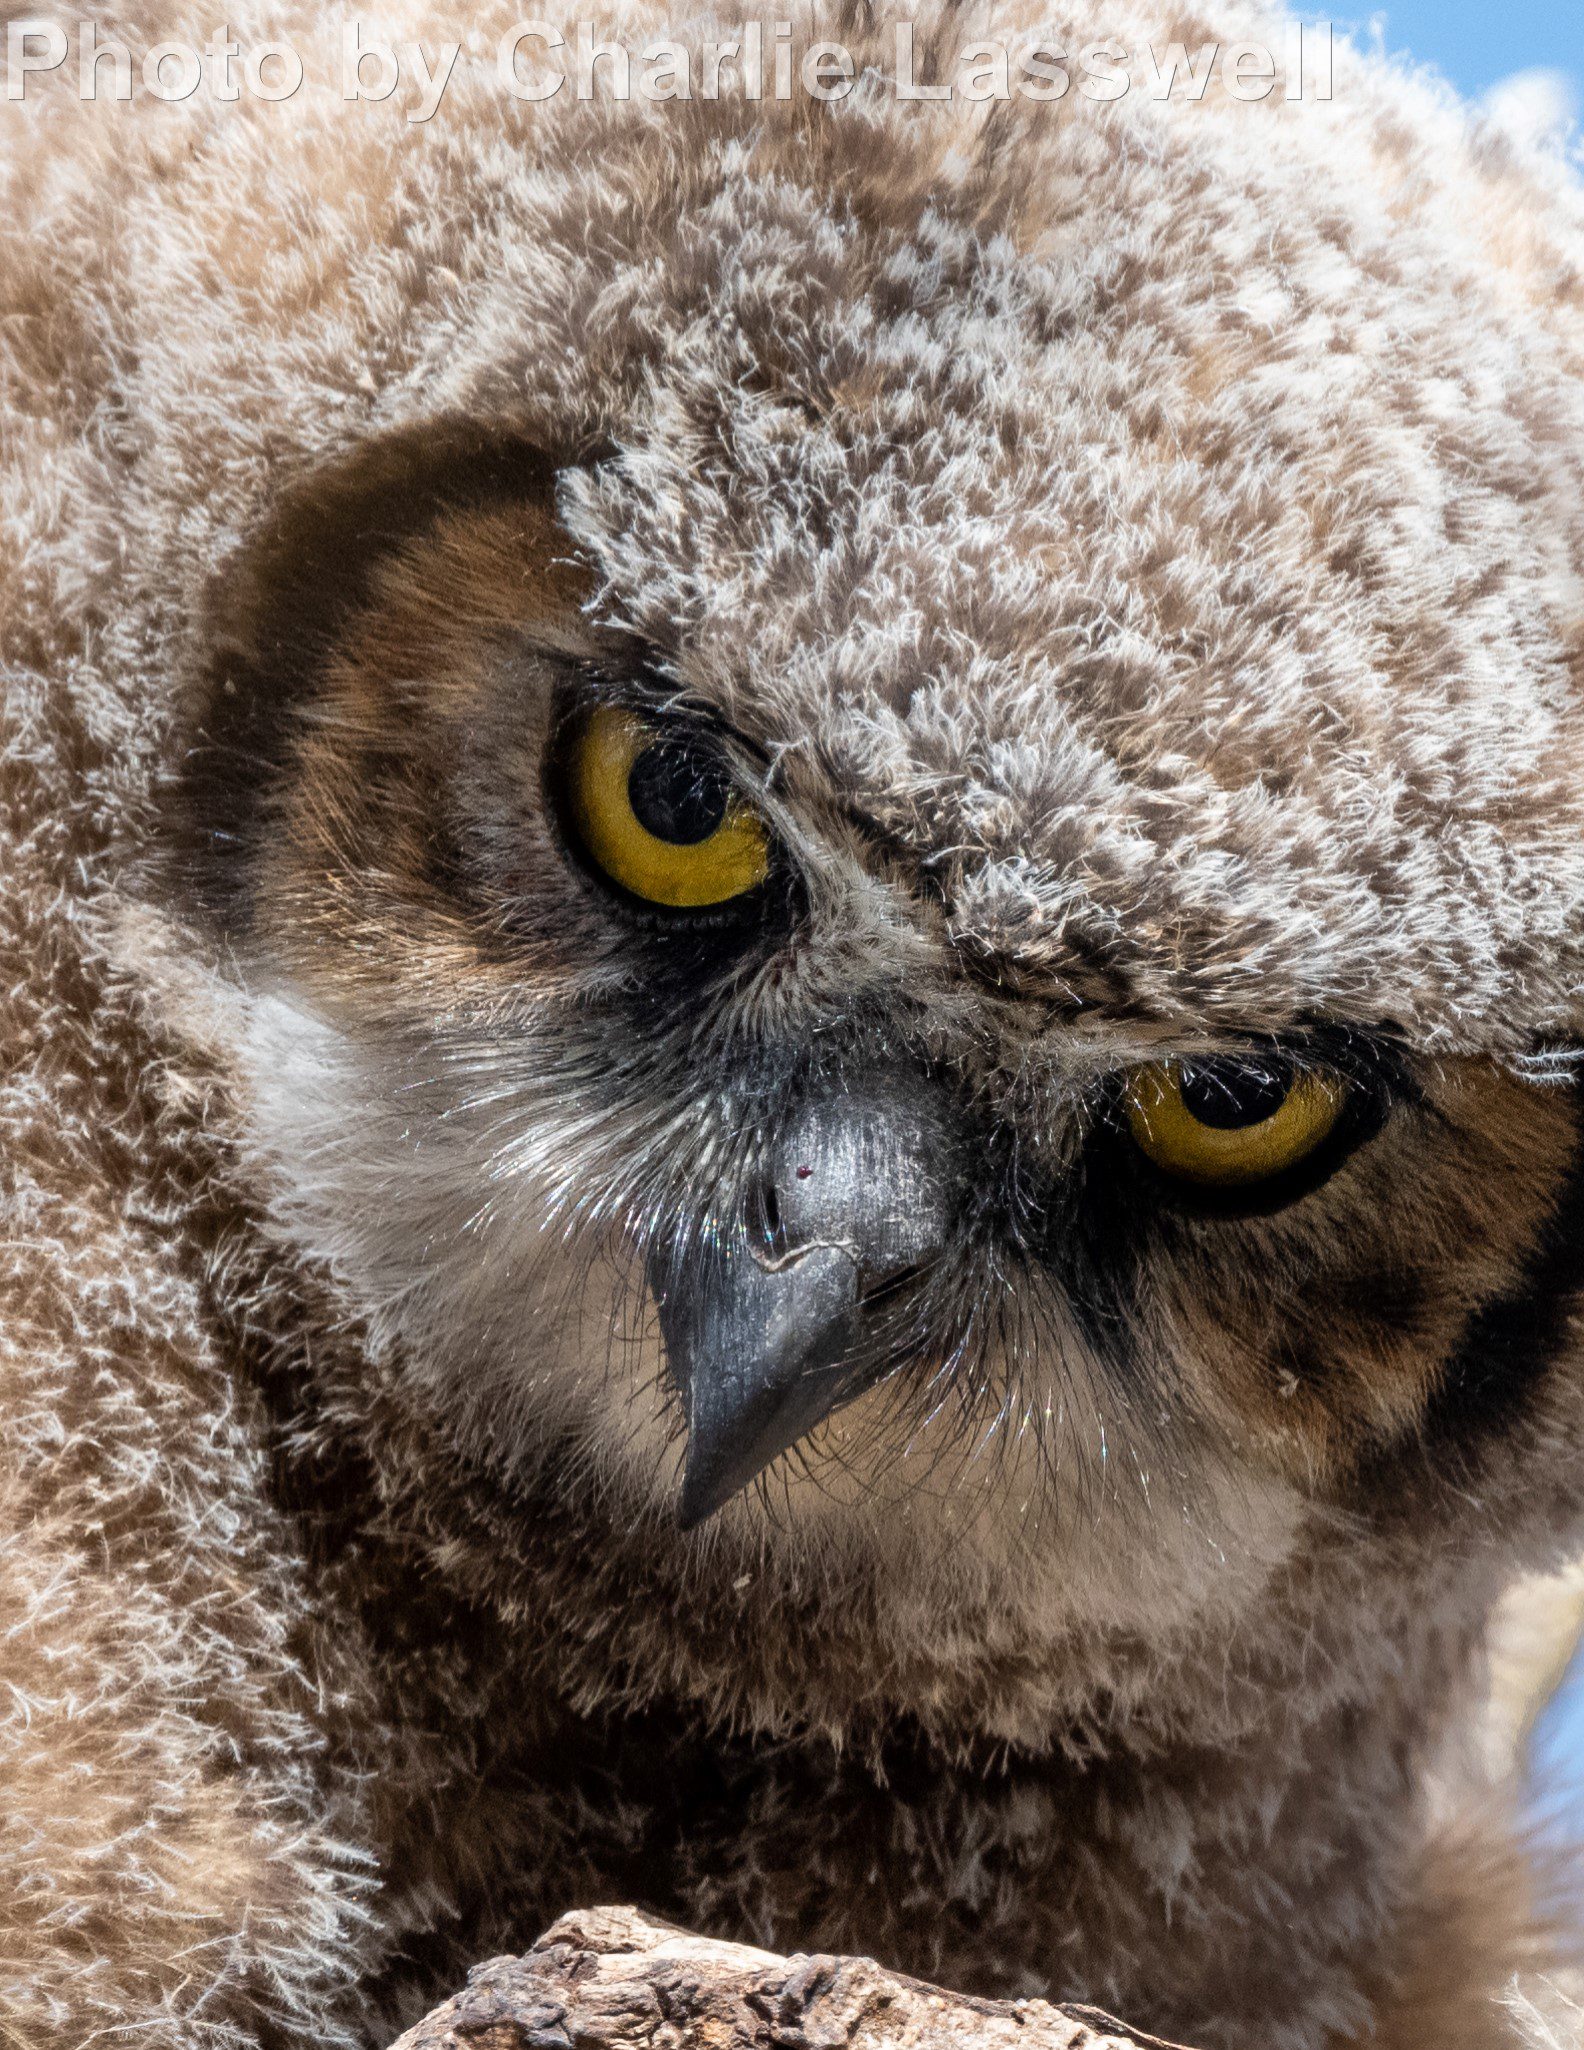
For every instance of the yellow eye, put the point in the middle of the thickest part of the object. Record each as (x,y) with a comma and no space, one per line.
(1223,1123)
(657,812)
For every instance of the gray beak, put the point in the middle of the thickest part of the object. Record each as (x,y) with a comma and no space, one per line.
(767,1323)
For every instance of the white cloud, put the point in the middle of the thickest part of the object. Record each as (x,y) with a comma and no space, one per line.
(1534,106)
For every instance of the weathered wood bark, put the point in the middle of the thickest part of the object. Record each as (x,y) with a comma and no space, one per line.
(611,1979)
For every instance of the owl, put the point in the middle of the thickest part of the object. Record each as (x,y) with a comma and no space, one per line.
(793,928)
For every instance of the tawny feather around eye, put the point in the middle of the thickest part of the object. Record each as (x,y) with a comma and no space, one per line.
(1230,1123)
(656,813)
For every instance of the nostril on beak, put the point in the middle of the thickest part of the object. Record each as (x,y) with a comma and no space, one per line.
(762,1215)
(870,1175)
(774,1248)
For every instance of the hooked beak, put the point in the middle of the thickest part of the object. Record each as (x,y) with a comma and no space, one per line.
(765,1321)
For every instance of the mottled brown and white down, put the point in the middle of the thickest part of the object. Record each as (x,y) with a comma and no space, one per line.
(1137,554)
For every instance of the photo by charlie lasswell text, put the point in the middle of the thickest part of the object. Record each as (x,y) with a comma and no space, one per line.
(536,60)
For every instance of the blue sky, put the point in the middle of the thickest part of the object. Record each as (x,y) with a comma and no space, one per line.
(1477,42)
(1480,44)
(1559,1751)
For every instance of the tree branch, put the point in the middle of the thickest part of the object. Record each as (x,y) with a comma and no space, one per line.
(611,1979)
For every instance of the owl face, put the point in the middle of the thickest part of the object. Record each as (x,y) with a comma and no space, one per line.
(669,1114)
(894,883)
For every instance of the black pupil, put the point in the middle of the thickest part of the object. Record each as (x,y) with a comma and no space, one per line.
(677,794)
(1231,1094)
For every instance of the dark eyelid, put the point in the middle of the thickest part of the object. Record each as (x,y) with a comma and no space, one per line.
(1370,1060)
(641,691)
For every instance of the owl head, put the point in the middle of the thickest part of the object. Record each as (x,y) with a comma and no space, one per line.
(898,794)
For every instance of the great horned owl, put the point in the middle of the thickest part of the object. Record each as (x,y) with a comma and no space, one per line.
(794,927)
